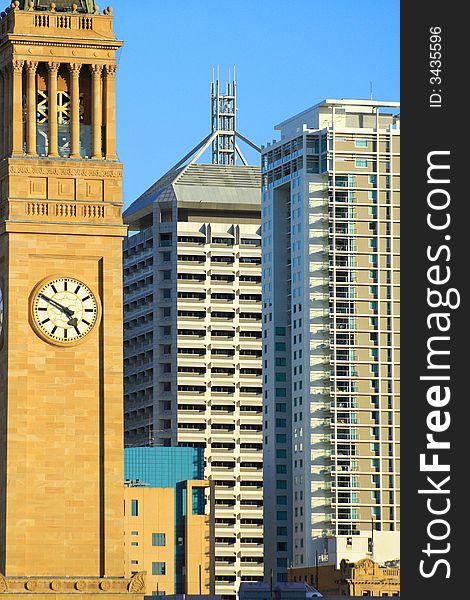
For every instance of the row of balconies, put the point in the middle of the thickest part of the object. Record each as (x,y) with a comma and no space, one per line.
(223,298)
(191,240)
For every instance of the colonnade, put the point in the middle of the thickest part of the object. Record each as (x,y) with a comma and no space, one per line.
(11,108)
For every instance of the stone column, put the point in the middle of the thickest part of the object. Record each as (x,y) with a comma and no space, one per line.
(75,110)
(111,112)
(97,111)
(6,133)
(31,108)
(53,134)
(16,112)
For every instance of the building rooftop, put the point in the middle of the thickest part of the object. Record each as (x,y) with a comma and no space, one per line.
(162,466)
(344,102)
(202,186)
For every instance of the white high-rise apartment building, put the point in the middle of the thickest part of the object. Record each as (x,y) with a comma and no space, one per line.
(330,227)
(192,284)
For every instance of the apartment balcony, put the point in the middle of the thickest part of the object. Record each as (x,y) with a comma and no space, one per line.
(220,436)
(224,549)
(191,335)
(251,436)
(195,391)
(248,475)
(253,546)
(253,569)
(140,273)
(221,317)
(226,528)
(222,512)
(251,358)
(133,313)
(222,301)
(251,512)
(253,550)
(191,260)
(192,418)
(225,266)
(248,378)
(135,386)
(250,528)
(253,468)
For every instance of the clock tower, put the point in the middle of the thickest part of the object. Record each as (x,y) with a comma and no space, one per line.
(61,404)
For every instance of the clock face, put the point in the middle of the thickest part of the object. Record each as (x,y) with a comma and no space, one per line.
(64,310)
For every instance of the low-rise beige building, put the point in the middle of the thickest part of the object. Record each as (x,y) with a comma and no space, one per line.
(362,578)
(367,578)
(153,544)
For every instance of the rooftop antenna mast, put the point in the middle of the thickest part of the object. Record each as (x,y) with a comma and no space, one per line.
(223,119)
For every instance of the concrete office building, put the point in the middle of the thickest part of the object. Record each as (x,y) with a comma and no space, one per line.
(192,285)
(167,525)
(330,214)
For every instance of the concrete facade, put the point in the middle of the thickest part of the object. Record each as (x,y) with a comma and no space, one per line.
(330,213)
(192,283)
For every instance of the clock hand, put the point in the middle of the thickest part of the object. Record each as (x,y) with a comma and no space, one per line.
(68,313)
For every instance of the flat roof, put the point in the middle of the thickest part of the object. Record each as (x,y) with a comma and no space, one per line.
(340,102)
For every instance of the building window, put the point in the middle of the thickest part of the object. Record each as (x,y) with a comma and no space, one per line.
(362,163)
(282,515)
(158,593)
(134,543)
(361,143)
(134,533)
(158,568)
(135,508)
(158,539)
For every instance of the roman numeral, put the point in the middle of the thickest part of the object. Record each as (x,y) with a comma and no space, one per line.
(85,321)
(45,321)
(54,329)
(65,333)
(54,288)
(65,286)
(77,289)
(86,298)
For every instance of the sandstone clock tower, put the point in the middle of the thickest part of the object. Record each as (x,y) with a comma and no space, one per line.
(61,455)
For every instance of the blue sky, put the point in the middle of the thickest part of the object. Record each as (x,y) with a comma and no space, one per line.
(289,55)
